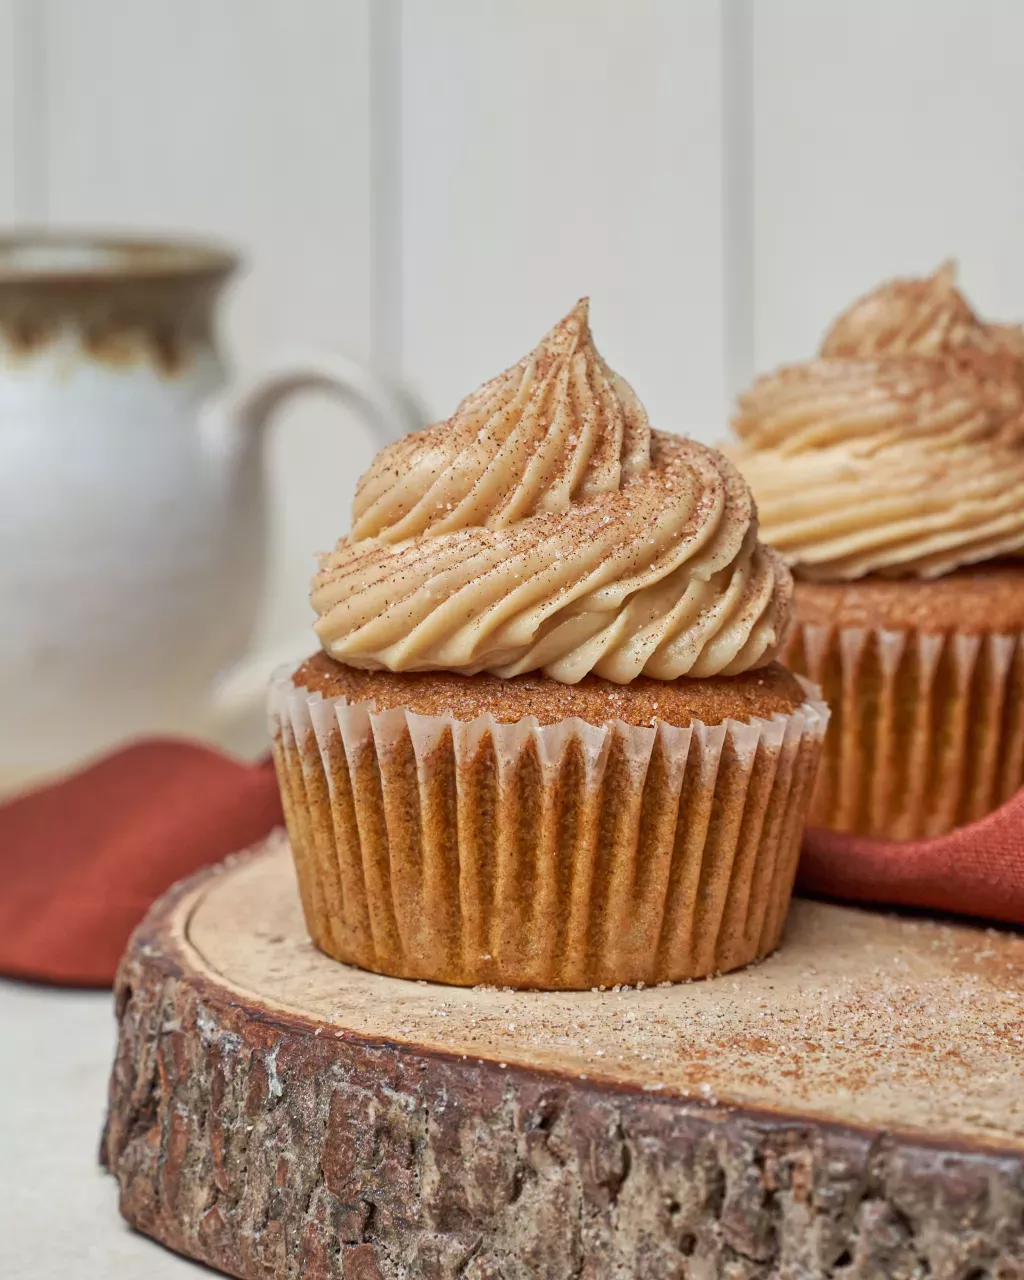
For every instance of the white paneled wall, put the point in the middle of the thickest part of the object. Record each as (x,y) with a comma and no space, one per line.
(429,184)
(889,135)
(550,151)
(8,112)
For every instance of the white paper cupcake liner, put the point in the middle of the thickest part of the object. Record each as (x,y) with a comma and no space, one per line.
(561,856)
(927,729)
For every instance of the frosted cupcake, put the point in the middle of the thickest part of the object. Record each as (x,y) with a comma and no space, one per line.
(890,475)
(545,743)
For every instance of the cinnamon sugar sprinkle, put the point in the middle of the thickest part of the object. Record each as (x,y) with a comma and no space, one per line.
(866,1018)
(546,527)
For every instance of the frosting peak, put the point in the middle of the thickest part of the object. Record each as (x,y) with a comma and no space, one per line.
(556,428)
(922,316)
(926,316)
(545,526)
(901,451)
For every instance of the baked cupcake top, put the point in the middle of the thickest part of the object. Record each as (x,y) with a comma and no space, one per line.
(768,691)
(546,527)
(900,450)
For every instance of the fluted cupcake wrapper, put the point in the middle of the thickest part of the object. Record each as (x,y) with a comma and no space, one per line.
(927,729)
(563,856)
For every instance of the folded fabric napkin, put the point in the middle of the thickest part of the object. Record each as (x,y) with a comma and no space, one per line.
(977,870)
(82,860)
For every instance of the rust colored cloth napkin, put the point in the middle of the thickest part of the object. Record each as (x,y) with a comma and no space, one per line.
(977,870)
(82,860)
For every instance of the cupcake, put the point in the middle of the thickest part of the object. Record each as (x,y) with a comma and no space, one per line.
(889,473)
(545,743)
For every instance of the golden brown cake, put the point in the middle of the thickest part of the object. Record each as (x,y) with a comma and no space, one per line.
(889,472)
(546,743)
(765,692)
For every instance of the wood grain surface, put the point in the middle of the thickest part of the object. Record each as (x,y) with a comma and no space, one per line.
(851,1107)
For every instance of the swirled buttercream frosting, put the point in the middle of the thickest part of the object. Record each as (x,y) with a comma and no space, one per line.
(545,526)
(926,316)
(908,465)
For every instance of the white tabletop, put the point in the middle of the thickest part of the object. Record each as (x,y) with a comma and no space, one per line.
(58,1209)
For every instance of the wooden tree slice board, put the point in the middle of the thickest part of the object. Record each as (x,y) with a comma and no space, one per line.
(854,1106)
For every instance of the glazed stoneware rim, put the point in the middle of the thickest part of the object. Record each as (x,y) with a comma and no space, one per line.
(80,257)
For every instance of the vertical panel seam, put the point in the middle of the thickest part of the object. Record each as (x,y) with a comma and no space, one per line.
(738,194)
(386,318)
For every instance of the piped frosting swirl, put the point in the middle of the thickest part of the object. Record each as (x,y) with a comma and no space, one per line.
(901,450)
(926,316)
(545,526)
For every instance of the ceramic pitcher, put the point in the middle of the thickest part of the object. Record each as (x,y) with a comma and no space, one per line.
(131,495)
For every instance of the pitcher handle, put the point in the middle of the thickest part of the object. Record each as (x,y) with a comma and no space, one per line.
(387,409)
